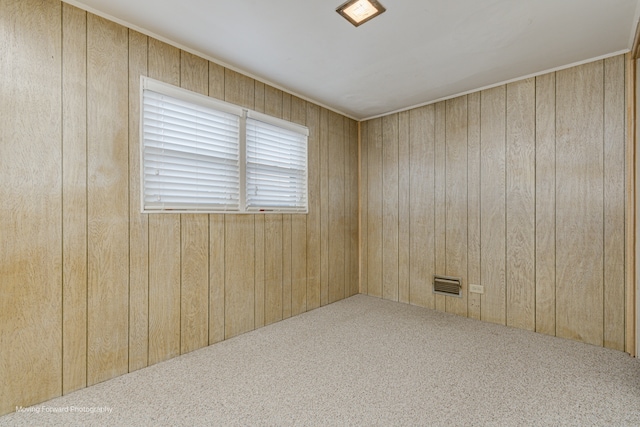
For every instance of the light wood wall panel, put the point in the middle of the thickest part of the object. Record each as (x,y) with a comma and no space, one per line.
(107,200)
(364,207)
(194,238)
(217,239)
(74,198)
(216,235)
(520,158)
(138,222)
(390,189)
(440,226)
(313,218)
(614,194)
(259,94)
(273,268)
(522,189)
(492,204)
(579,203)
(374,208)
(286,235)
(473,203)
(324,206)
(422,206)
(456,200)
(102,289)
(164,239)
(31,214)
(351,168)
(274,235)
(404,201)
(546,204)
(336,214)
(298,233)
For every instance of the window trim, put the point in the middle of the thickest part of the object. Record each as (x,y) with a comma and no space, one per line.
(147,83)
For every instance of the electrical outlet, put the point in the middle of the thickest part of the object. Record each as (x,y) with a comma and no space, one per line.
(476,289)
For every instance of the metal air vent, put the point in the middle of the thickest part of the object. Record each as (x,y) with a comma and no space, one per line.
(446,285)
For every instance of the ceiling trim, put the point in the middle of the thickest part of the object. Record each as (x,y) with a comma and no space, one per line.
(200,54)
(528,76)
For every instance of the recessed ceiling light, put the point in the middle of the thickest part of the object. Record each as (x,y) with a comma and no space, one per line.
(360,11)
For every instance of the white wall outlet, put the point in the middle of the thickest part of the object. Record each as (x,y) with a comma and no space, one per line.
(476,289)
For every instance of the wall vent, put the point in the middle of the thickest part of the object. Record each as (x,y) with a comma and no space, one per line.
(446,285)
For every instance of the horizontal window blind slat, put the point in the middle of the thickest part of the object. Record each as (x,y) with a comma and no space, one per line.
(165,123)
(184,118)
(275,139)
(172,151)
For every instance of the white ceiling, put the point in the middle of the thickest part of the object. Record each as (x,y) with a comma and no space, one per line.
(416,52)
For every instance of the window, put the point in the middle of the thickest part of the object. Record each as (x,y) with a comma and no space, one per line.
(276,165)
(203,155)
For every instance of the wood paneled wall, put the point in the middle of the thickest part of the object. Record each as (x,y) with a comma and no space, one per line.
(519,188)
(90,287)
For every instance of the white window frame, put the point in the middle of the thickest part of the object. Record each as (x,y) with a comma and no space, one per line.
(147,83)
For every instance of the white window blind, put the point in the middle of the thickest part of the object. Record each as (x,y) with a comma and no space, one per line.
(190,153)
(276,165)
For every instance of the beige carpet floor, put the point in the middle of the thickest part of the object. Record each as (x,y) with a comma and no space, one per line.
(364,361)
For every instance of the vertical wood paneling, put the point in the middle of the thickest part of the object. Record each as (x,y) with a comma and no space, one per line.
(286,266)
(274,239)
(390,266)
(194,229)
(336,217)
(404,176)
(31,215)
(259,233)
(324,206)
(239,275)
(298,233)
(364,207)
(580,204)
(374,215)
(484,174)
(422,206)
(239,236)
(74,198)
(546,204)
(473,200)
(273,268)
(440,198)
(456,221)
(108,200)
(164,240)
(352,215)
(632,291)
(216,81)
(614,194)
(260,286)
(313,217)
(521,202)
(492,200)
(217,238)
(216,235)
(194,310)
(286,237)
(138,222)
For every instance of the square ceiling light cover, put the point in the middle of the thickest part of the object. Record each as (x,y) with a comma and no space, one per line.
(360,11)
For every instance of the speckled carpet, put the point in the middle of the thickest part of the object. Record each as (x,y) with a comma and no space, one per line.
(365,361)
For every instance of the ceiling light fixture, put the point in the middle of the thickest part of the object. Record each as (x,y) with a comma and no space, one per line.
(360,11)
